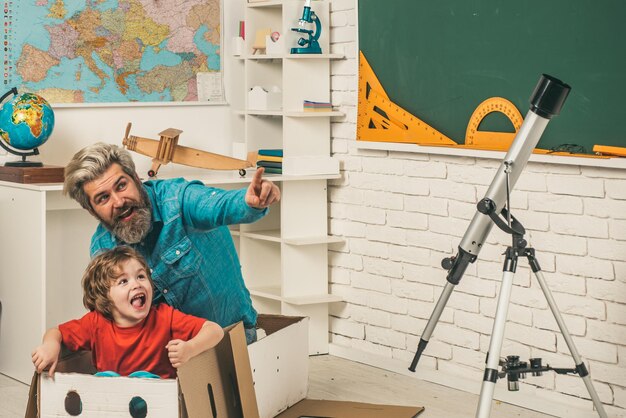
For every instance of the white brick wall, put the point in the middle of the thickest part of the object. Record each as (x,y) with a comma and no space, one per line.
(401,213)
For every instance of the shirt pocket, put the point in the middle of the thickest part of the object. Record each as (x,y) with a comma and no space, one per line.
(181,260)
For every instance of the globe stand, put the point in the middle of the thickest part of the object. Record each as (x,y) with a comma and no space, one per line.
(24,171)
(23,162)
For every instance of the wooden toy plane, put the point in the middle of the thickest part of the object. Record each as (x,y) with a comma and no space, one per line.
(166,150)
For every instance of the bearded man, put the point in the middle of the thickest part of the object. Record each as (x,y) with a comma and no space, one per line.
(179,226)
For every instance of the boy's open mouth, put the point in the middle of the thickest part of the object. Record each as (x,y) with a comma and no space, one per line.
(138,301)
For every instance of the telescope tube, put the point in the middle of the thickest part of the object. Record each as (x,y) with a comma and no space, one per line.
(545,103)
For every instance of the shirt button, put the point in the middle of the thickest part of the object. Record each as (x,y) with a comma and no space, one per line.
(213,194)
(164,291)
(177,252)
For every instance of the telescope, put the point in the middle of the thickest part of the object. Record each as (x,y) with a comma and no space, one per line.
(546,102)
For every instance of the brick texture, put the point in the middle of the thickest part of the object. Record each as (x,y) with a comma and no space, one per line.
(400,213)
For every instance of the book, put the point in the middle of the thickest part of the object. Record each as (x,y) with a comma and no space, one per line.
(272,170)
(318,109)
(272,152)
(267,164)
(262,157)
(310,106)
(317,104)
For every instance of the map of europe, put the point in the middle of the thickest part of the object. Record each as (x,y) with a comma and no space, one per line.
(112,51)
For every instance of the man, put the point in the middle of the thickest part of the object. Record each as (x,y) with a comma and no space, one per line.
(177,225)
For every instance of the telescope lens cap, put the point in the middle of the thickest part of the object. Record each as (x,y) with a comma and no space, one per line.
(549,96)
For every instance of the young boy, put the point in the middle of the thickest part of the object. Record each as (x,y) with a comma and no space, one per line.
(124,332)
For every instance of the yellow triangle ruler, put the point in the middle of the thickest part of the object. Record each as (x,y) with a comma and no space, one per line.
(379,119)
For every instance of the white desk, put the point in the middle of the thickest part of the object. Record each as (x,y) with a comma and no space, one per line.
(44,249)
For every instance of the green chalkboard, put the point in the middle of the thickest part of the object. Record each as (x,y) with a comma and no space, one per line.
(439,59)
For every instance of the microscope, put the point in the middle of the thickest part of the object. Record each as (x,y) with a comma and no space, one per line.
(310,45)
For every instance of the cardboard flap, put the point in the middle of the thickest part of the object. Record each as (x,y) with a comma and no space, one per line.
(33,397)
(243,370)
(273,323)
(216,383)
(75,362)
(342,409)
(280,363)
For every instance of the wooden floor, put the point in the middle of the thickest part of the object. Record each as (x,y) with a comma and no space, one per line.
(338,379)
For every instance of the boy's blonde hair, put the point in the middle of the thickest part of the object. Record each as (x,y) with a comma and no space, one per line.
(102,272)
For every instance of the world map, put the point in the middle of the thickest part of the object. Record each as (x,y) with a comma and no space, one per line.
(113,51)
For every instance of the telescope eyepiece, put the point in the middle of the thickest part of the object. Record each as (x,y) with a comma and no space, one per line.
(549,96)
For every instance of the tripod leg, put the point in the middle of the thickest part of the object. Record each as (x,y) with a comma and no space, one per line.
(495,345)
(580,366)
(456,268)
(432,321)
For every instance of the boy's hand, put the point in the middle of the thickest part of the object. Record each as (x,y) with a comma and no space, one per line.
(179,352)
(47,354)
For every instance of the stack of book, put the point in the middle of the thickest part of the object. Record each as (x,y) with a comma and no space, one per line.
(271,160)
(310,106)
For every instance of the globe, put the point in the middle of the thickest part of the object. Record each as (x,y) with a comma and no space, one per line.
(26,122)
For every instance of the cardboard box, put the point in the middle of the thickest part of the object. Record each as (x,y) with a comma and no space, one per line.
(220,380)
(342,409)
(231,380)
(280,363)
(167,398)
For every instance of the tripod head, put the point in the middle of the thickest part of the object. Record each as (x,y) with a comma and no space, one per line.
(545,103)
(514,370)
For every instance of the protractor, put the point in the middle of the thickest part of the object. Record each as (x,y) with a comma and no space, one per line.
(492,140)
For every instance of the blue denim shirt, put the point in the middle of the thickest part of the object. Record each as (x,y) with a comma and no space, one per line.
(195,267)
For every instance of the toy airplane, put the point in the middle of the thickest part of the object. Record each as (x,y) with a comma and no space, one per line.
(166,150)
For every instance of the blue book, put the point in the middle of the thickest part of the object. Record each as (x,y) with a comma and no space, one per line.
(271,152)
(266,164)
(271,170)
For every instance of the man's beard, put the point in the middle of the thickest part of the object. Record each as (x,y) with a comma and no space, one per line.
(135,229)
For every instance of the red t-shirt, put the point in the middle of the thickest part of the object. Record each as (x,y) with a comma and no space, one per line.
(127,350)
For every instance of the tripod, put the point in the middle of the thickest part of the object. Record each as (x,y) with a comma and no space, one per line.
(546,102)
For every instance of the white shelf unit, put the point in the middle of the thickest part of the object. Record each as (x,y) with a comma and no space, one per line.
(284,256)
(44,249)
